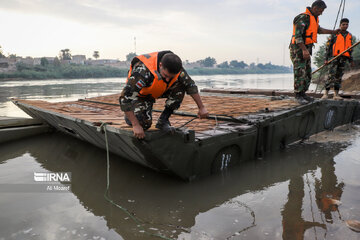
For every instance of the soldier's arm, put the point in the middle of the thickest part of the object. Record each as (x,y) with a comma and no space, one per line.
(300,24)
(203,113)
(329,47)
(300,31)
(137,128)
(192,90)
(327,31)
(306,54)
(190,86)
(140,77)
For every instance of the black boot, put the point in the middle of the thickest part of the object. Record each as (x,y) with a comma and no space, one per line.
(301,100)
(306,97)
(163,122)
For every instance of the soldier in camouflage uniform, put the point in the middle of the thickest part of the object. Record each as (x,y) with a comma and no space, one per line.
(306,28)
(337,67)
(138,107)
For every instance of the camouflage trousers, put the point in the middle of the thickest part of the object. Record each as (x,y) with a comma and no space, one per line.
(302,70)
(144,106)
(336,72)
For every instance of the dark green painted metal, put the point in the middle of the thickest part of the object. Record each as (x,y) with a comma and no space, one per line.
(18,128)
(189,156)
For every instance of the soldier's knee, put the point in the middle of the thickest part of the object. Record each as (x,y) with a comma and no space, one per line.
(173,105)
(144,119)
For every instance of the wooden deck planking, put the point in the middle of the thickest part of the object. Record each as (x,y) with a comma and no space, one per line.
(243,105)
(216,105)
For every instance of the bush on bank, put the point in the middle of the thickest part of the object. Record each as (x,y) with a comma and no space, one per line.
(67,72)
(85,71)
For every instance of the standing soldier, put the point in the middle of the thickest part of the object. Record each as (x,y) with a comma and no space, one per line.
(336,45)
(151,76)
(306,28)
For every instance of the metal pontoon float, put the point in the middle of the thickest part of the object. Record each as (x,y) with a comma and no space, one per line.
(240,128)
(12,128)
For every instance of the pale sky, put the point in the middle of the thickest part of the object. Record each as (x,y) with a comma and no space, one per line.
(194,29)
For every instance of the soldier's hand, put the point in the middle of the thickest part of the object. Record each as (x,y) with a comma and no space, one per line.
(336,31)
(326,62)
(306,54)
(203,113)
(139,132)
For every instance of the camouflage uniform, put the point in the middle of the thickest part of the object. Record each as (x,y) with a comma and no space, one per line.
(337,67)
(302,67)
(142,106)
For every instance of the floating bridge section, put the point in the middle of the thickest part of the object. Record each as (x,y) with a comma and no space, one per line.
(12,128)
(240,128)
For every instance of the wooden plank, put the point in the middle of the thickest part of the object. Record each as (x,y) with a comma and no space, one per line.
(266,92)
(221,108)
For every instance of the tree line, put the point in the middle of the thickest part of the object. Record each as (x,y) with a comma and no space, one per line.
(1,53)
(211,62)
(56,68)
(208,62)
(65,54)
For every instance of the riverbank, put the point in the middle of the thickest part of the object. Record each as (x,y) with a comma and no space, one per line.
(84,71)
(63,72)
(233,71)
(351,81)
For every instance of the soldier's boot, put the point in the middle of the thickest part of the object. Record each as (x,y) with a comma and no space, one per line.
(337,96)
(326,95)
(301,100)
(306,97)
(163,123)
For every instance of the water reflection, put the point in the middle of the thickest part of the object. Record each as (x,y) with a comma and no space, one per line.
(328,191)
(294,226)
(287,195)
(238,204)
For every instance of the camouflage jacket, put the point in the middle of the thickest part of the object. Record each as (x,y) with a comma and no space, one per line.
(330,44)
(301,23)
(142,77)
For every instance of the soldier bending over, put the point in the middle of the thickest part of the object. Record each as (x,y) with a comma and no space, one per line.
(151,76)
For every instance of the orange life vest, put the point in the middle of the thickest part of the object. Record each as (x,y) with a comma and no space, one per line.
(159,86)
(342,43)
(311,31)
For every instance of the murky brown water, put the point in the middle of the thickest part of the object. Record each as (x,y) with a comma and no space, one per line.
(282,196)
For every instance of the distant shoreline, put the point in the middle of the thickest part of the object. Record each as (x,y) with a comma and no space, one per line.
(35,79)
(83,72)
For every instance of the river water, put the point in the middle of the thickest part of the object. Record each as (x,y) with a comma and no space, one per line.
(280,196)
